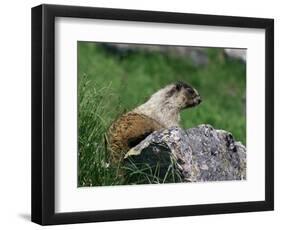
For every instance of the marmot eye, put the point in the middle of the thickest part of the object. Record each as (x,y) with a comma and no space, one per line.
(190,90)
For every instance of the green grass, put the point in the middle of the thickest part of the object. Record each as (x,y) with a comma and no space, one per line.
(110,85)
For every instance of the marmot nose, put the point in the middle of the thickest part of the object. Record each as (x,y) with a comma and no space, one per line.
(199,100)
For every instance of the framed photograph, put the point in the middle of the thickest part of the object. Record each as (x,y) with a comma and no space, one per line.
(142,114)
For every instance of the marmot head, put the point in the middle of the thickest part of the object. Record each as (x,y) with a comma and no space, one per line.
(178,96)
(165,105)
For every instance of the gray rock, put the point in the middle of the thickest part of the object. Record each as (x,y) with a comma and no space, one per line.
(236,54)
(198,56)
(200,154)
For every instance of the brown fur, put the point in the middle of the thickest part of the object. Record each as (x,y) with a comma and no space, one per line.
(128,131)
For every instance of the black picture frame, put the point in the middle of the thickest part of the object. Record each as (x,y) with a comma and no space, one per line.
(43,114)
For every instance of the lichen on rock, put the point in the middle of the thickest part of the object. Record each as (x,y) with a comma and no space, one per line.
(200,154)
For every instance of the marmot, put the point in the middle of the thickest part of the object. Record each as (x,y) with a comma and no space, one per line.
(161,111)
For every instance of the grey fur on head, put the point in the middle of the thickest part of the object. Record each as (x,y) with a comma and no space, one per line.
(165,105)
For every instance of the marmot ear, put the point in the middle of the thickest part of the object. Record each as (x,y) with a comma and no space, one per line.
(178,86)
(171,92)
